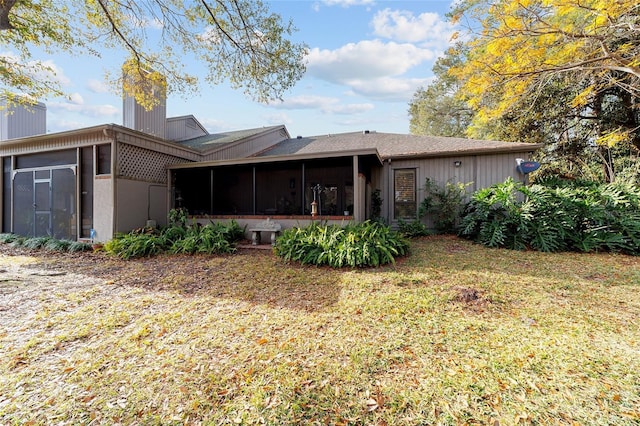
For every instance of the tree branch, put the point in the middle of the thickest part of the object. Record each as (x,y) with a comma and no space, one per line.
(5,8)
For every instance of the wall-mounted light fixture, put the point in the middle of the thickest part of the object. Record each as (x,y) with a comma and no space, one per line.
(457,163)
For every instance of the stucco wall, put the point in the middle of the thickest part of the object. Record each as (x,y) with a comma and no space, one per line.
(103,208)
(138,202)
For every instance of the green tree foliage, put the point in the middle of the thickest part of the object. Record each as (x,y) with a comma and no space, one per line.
(237,40)
(436,110)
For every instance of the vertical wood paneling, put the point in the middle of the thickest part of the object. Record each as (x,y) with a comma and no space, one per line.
(22,121)
(152,122)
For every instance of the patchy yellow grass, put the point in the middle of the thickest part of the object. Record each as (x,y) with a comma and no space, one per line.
(454,334)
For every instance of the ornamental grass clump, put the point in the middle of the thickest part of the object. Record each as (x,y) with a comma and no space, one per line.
(355,245)
(46,243)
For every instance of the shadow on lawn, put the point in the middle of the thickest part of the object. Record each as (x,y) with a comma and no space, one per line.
(248,275)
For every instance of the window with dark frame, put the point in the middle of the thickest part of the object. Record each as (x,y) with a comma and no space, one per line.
(404,190)
(103,159)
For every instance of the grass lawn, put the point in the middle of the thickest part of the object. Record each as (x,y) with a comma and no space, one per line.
(454,334)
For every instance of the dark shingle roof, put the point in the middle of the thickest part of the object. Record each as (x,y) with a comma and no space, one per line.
(217,140)
(390,145)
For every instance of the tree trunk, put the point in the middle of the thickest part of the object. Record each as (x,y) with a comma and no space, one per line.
(5,8)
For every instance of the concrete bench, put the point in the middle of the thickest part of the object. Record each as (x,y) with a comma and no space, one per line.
(273,228)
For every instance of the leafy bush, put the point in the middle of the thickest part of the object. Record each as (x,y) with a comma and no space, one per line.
(213,238)
(443,204)
(136,244)
(356,245)
(209,239)
(413,229)
(556,216)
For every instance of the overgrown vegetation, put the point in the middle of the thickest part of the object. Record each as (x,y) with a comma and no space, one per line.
(442,205)
(212,238)
(47,243)
(556,216)
(455,334)
(355,245)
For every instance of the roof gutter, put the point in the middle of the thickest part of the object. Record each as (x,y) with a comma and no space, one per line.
(484,151)
(278,158)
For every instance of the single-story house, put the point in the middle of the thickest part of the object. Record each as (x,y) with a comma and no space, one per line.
(94,182)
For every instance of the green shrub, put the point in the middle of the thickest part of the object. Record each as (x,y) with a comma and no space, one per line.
(57,245)
(556,216)
(413,229)
(355,245)
(36,242)
(77,246)
(443,204)
(213,238)
(46,243)
(8,238)
(136,244)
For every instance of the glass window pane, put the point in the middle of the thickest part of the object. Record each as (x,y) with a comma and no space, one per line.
(104,159)
(404,182)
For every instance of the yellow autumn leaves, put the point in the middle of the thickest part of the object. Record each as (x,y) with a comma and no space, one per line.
(520,45)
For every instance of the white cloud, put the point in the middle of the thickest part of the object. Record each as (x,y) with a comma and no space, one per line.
(327,105)
(366,59)
(371,68)
(429,29)
(76,99)
(348,3)
(275,119)
(64,124)
(351,109)
(215,126)
(48,70)
(388,88)
(77,105)
(97,86)
(305,102)
(40,70)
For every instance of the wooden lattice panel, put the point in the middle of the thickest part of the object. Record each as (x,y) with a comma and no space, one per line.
(143,164)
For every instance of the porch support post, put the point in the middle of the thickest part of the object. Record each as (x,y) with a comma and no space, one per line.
(358,192)
(303,183)
(211,195)
(253,190)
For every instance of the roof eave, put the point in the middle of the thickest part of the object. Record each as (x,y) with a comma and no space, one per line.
(463,152)
(278,158)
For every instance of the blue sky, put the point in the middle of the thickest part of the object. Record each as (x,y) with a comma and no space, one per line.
(366,59)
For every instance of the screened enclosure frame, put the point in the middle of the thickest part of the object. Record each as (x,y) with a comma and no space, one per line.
(272,188)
